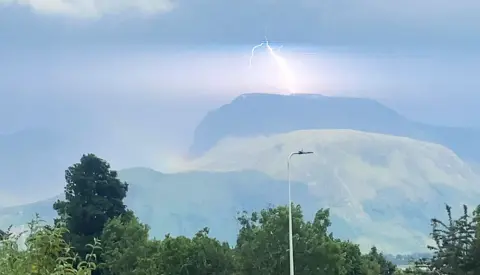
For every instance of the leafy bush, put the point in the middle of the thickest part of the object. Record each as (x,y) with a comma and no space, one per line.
(44,252)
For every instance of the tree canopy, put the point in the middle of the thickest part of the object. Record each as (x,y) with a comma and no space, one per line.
(93,195)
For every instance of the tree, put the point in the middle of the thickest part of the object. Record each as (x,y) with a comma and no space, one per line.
(46,253)
(356,263)
(386,267)
(4,235)
(262,244)
(93,195)
(206,255)
(124,243)
(200,255)
(457,245)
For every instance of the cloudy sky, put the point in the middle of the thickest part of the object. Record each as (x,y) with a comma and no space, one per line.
(420,57)
(372,23)
(125,69)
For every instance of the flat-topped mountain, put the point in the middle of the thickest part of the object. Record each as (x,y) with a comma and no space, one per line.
(264,114)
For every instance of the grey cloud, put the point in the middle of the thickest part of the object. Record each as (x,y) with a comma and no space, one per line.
(370,23)
(92,9)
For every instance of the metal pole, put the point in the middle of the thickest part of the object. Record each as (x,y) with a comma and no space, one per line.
(290,233)
(290,230)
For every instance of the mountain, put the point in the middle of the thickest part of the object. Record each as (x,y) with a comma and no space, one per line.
(381,189)
(264,114)
(384,188)
(42,133)
(140,120)
(183,203)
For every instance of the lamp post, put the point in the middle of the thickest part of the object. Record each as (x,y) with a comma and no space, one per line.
(290,233)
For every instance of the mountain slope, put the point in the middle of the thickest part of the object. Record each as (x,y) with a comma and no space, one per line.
(371,181)
(382,190)
(183,203)
(263,114)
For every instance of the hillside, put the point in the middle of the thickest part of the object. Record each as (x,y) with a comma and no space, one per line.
(381,189)
(183,203)
(385,188)
(263,114)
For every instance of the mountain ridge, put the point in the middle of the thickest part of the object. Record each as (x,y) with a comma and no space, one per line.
(370,180)
(255,114)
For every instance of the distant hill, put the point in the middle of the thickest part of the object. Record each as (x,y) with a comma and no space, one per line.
(183,203)
(263,114)
(382,190)
(407,260)
(385,188)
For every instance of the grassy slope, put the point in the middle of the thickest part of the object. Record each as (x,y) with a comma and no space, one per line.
(384,187)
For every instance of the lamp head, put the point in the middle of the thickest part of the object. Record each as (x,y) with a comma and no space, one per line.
(301,152)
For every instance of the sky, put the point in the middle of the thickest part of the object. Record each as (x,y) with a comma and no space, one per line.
(367,23)
(121,71)
(420,57)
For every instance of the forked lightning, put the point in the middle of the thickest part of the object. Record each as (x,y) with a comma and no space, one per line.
(281,63)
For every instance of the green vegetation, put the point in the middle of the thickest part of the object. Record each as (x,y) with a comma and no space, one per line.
(46,252)
(367,181)
(93,195)
(94,233)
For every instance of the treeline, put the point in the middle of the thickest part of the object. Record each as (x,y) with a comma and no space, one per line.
(95,233)
(406,259)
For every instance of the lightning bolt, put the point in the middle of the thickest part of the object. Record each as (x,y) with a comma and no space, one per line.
(253,53)
(281,63)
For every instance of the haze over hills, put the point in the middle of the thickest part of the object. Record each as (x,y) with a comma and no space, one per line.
(183,203)
(381,189)
(382,182)
(370,180)
(263,114)
(115,120)
(41,134)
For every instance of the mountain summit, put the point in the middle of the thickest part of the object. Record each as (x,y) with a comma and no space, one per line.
(257,114)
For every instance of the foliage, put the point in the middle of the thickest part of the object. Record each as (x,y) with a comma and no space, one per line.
(262,244)
(124,239)
(93,195)
(198,255)
(45,253)
(457,245)
(386,267)
(93,209)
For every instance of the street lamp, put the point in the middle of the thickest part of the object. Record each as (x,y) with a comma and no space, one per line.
(290,233)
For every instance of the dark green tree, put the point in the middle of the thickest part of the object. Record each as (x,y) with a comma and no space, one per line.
(356,263)
(208,256)
(262,245)
(4,235)
(93,195)
(386,267)
(200,255)
(456,249)
(124,244)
